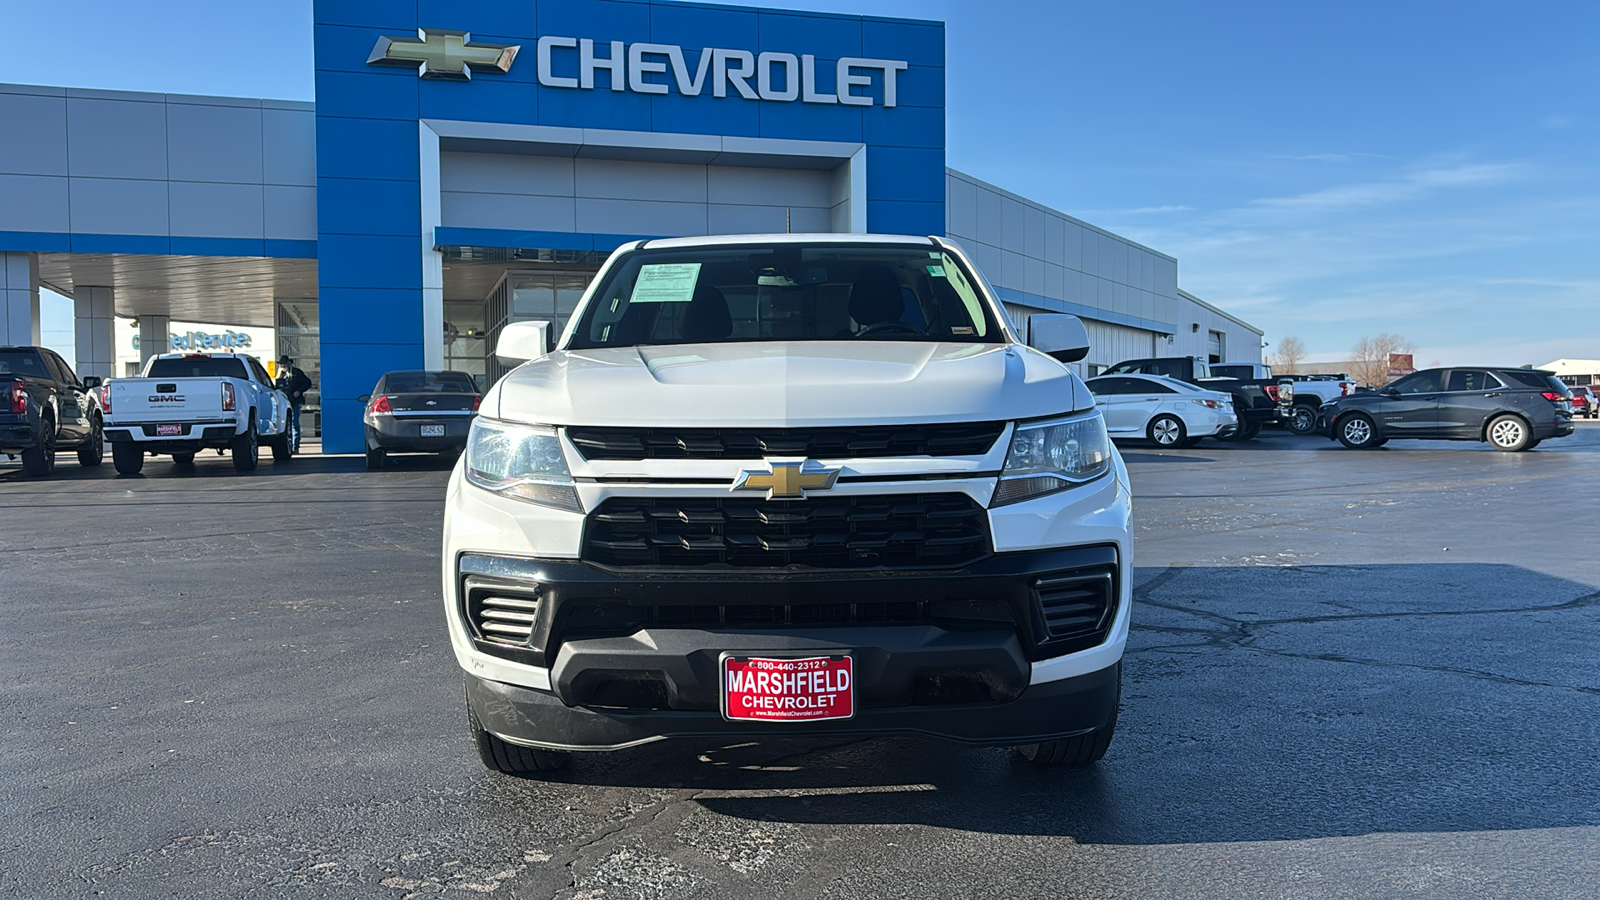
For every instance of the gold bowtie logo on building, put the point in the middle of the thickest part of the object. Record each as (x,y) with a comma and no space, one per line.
(787,481)
(443,54)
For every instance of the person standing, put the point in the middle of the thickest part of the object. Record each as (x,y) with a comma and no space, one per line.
(294,383)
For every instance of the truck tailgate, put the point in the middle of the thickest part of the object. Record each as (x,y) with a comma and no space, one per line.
(136,400)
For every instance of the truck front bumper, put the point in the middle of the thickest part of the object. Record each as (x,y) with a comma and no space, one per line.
(621,658)
(1048,711)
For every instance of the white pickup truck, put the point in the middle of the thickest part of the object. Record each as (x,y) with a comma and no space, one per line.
(789,486)
(187,402)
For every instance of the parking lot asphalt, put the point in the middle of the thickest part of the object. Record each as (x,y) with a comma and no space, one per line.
(1351,674)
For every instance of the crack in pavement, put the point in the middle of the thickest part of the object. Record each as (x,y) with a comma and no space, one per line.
(1242,634)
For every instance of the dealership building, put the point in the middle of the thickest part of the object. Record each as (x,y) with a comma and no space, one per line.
(466,165)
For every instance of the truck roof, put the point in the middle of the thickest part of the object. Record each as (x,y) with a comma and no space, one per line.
(722,240)
(197,355)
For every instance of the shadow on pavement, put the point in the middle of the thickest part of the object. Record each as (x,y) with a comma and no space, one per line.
(1260,704)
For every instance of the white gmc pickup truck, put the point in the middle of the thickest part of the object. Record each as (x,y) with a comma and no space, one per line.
(187,402)
(789,486)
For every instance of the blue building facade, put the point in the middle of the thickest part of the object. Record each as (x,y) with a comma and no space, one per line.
(659,96)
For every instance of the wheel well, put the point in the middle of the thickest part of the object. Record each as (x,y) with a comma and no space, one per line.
(1309,402)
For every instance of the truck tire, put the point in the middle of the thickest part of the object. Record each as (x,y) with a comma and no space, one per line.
(1166,431)
(127,457)
(500,756)
(1246,429)
(281,451)
(1080,750)
(1508,433)
(246,449)
(1303,418)
(40,459)
(1357,432)
(92,452)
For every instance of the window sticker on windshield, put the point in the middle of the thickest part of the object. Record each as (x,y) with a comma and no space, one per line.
(960,329)
(936,271)
(665,283)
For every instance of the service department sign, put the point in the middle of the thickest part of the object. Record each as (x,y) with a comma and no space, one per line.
(647,68)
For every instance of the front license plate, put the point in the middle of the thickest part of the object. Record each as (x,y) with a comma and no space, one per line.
(433,431)
(167,430)
(788,690)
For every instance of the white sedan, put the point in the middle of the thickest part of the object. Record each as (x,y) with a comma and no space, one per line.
(1168,412)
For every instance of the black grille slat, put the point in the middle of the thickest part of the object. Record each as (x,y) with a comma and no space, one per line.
(907,531)
(834,442)
(1078,605)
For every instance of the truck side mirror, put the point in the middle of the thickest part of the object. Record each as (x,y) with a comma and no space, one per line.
(90,382)
(1058,335)
(522,341)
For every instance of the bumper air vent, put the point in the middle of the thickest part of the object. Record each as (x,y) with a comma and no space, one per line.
(1078,607)
(959,439)
(501,614)
(905,531)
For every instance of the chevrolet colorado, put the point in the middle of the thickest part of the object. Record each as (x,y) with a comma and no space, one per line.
(786,486)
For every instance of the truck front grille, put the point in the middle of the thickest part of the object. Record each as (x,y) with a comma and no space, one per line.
(909,531)
(960,439)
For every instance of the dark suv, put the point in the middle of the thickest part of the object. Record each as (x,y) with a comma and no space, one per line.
(1512,409)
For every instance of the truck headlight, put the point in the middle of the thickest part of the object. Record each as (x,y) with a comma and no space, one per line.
(1052,456)
(520,461)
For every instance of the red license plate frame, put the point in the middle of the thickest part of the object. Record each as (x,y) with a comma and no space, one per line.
(169,431)
(788,689)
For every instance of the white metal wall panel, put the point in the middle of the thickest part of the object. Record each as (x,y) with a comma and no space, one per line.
(160,165)
(606,196)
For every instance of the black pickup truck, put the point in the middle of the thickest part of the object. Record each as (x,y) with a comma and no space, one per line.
(1253,402)
(44,406)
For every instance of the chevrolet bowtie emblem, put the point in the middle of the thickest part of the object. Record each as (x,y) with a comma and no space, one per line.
(787,480)
(443,54)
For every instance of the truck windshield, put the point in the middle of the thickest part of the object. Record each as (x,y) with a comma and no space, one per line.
(198,367)
(786,292)
(21,362)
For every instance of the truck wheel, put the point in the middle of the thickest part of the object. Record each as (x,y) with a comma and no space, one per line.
(246,449)
(92,452)
(281,451)
(127,457)
(1077,751)
(1166,431)
(40,459)
(509,758)
(1303,419)
(1245,430)
(183,459)
(1509,433)
(1357,432)
(376,459)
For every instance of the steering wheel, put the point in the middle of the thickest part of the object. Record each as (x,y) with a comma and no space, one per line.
(888,328)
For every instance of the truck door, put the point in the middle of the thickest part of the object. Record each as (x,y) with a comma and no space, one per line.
(71,404)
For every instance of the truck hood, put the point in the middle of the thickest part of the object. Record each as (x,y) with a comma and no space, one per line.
(787,385)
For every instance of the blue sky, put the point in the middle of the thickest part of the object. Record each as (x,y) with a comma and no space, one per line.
(1324,170)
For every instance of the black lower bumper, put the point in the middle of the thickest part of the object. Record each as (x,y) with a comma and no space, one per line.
(634,656)
(1049,711)
(15,438)
(405,435)
(200,437)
